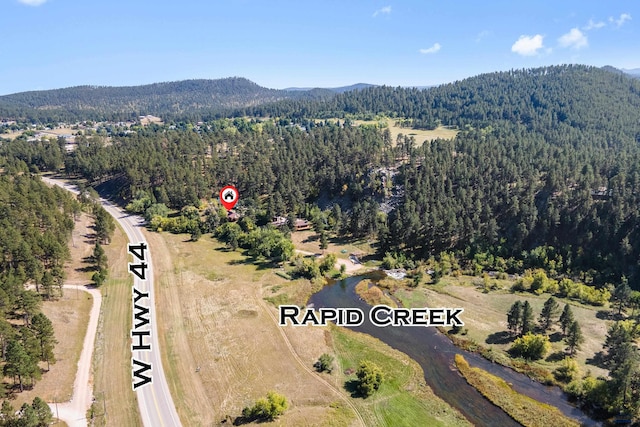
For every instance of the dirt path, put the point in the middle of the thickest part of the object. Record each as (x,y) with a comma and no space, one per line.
(74,412)
(264,306)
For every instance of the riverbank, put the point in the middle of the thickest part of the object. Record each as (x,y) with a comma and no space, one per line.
(526,411)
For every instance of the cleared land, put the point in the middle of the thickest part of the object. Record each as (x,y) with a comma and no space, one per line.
(211,316)
(485,317)
(420,135)
(48,132)
(308,243)
(224,348)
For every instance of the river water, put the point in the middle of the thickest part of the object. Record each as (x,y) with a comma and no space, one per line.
(435,354)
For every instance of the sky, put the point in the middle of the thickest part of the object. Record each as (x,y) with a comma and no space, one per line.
(47,44)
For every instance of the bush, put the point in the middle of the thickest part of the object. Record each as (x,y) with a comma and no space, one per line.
(306,268)
(369,378)
(324,363)
(567,370)
(531,346)
(267,409)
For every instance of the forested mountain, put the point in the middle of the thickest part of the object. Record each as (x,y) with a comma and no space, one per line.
(340,89)
(545,171)
(634,72)
(171,99)
(519,95)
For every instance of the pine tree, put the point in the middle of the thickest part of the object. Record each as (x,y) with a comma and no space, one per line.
(42,411)
(574,338)
(621,295)
(549,310)
(566,319)
(527,318)
(19,364)
(99,256)
(514,317)
(617,337)
(44,333)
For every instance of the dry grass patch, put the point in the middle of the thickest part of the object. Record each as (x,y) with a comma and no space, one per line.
(372,294)
(212,316)
(420,135)
(112,354)
(69,316)
(485,318)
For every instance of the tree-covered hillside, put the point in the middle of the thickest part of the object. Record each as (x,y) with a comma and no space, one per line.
(35,224)
(543,173)
(171,99)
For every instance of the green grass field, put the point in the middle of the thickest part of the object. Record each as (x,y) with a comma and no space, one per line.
(485,318)
(403,398)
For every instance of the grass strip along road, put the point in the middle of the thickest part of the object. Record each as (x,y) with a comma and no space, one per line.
(154,399)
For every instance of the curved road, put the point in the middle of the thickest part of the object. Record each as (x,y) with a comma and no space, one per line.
(154,399)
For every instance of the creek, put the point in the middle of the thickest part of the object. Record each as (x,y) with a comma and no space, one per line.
(435,353)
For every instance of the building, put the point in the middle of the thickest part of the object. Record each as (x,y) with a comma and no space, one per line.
(301,224)
(279,221)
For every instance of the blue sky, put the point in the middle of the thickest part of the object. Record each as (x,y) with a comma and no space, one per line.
(47,44)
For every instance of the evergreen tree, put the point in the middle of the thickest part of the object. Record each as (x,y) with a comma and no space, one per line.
(99,256)
(44,333)
(621,296)
(574,338)
(549,310)
(19,364)
(617,337)
(566,319)
(527,318)
(514,317)
(42,412)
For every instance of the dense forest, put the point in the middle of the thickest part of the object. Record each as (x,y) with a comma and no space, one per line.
(35,224)
(543,172)
(188,98)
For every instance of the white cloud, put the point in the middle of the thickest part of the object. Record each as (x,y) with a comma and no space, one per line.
(433,49)
(32,2)
(575,39)
(528,45)
(386,10)
(624,17)
(594,25)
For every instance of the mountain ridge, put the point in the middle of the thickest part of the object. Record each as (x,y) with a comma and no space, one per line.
(182,97)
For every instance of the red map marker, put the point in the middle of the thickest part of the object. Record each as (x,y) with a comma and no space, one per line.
(229,196)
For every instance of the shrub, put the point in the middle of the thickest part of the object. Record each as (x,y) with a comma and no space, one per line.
(531,346)
(567,370)
(324,363)
(267,409)
(369,378)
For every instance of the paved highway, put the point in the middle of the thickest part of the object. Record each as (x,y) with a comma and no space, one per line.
(154,399)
